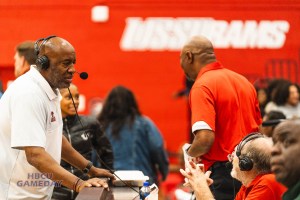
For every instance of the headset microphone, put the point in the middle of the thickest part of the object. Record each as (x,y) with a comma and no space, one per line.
(83,75)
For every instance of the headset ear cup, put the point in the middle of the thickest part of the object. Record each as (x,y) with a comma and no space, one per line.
(245,163)
(43,62)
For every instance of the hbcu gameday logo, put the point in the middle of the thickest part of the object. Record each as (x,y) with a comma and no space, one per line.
(39,180)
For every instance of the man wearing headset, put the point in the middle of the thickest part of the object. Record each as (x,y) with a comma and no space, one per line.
(250,165)
(31,143)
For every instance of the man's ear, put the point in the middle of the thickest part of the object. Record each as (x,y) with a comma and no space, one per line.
(189,56)
(22,61)
(25,65)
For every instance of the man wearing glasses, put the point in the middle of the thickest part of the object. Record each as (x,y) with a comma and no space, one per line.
(250,165)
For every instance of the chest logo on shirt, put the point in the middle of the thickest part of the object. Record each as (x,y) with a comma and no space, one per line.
(53,119)
(84,136)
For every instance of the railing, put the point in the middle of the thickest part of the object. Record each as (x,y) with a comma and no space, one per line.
(282,68)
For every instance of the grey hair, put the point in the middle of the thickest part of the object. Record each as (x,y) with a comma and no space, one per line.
(259,151)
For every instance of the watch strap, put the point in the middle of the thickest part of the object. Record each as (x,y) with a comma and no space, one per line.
(88,167)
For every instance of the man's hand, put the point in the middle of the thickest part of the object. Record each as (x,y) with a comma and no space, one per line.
(198,181)
(96,182)
(97,172)
(195,177)
(187,157)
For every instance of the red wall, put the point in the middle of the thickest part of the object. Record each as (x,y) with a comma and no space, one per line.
(153,75)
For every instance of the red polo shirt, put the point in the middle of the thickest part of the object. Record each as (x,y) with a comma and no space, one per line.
(226,103)
(262,187)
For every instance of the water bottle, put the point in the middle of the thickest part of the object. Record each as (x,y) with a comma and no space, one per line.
(145,190)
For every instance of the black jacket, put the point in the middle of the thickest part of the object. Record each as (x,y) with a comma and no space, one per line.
(77,136)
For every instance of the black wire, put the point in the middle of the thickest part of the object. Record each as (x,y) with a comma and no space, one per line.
(135,197)
(233,188)
(87,135)
(192,195)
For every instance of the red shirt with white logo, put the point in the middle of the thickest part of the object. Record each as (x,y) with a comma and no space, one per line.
(226,103)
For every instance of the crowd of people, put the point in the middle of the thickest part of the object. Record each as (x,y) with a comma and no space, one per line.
(280,95)
(245,141)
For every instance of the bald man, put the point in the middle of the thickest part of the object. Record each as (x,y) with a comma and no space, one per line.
(224,109)
(31,142)
(251,166)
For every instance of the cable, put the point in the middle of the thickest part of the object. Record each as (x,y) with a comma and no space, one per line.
(233,187)
(192,194)
(87,135)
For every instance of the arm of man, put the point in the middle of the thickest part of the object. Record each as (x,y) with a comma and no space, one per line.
(41,160)
(70,155)
(202,143)
(203,119)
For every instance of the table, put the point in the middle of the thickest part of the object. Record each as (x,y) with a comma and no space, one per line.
(114,193)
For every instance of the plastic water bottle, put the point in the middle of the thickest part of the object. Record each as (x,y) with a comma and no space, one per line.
(145,190)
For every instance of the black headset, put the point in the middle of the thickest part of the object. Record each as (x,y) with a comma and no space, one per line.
(42,61)
(245,162)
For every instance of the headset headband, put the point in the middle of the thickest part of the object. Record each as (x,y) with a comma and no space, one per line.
(246,139)
(38,47)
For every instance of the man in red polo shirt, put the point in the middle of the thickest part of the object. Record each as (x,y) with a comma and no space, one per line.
(251,166)
(224,109)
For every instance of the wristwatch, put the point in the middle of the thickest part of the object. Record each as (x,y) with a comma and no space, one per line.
(88,167)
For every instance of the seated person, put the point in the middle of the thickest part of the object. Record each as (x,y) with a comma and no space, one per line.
(270,121)
(250,165)
(83,135)
(285,161)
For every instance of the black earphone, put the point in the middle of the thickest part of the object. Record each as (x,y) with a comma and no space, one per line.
(42,61)
(245,162)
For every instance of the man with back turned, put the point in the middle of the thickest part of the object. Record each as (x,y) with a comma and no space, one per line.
(224,109)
